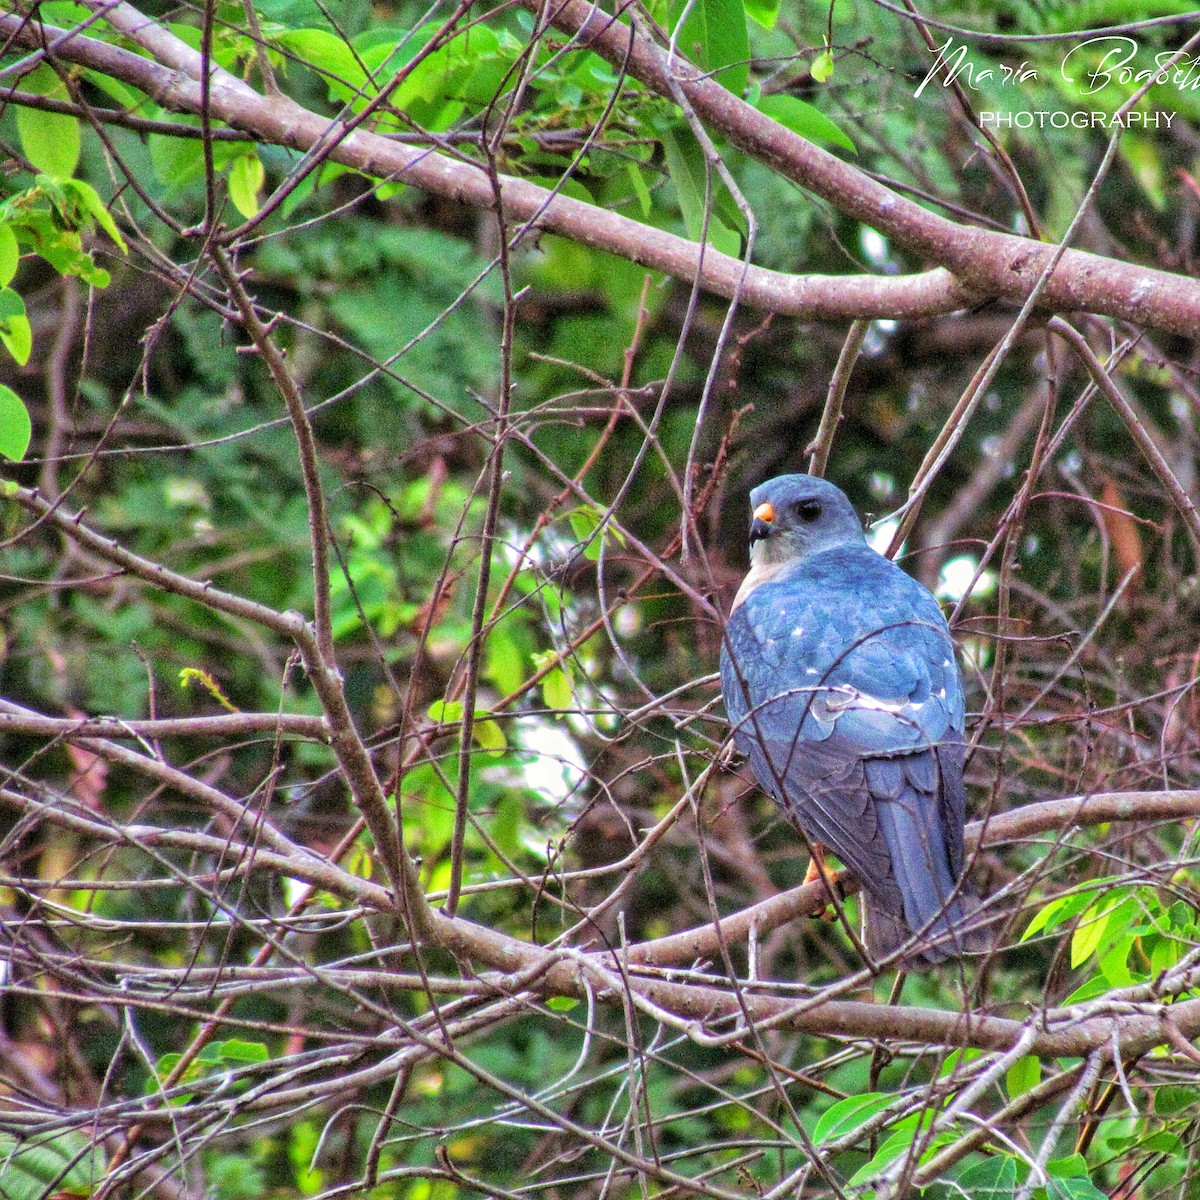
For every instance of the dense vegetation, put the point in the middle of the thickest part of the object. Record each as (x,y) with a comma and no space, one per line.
(381,388)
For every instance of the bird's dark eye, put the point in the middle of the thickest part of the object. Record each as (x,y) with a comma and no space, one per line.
(807,510)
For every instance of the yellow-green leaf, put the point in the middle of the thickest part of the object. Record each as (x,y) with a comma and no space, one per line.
(556,690)
(489,735)
(1087,935)
(1062,908)
(10,255)
(238,1050)
(246,178)
(822,67)
(15,427)
(50,141)
(638,182)
(15,331)
(89,200)
(1023,1076)
(445,712)
(805,119)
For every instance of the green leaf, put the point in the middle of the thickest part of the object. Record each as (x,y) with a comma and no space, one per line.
(585,522)
(10,254)
(66,1160)
(163,1067)
(561,1003)
(89,201)
(1163,1142)
(822,67)
(1113,960)
(46,218)
(504,664)
(177,161)
(763,12)
(957,1059)
(1074,1188)
(1067,1168)
(471,70)
(125,96)
(51,141)
(1088,933)
(446,712)
(505,826)
(993,1179)
(900,1144)
(637,181)
(1142,157)
(488,734)
(806,120)
(685,165)
(1023,1076)
(1172,1098)
(62,12)
(1062,908)
(1165,953)
(557,691)
(246,178)
(331,56)
(15,331)
(231,1177)
(565,187)
(443,75)
(1096,986)
(847,1115)
(236,1050)
(430,807)
(714,36)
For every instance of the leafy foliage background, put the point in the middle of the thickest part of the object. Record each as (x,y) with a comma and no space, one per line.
(530,465)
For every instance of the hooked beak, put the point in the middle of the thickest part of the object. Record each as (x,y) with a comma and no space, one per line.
(760,523)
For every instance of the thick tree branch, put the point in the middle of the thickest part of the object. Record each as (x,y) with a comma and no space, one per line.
(280,121)
(1051,816)
(697,1008)
(975,263)
(1138,1021)
(983,261)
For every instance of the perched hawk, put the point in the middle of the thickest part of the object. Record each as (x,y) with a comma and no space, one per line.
(840,682)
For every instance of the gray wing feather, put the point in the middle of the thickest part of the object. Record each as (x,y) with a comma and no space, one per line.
(850,711)
(822,787)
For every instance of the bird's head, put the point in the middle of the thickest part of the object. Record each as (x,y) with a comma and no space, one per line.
(795,515)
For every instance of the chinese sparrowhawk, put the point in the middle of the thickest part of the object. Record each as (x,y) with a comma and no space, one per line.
(841,684)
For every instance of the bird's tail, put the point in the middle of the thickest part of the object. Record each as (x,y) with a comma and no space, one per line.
(955,932)
(935,905)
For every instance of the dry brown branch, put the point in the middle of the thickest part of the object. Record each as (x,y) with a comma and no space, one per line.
(977,262)
(471,873)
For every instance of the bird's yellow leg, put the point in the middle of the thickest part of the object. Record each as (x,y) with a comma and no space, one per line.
(819,869)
